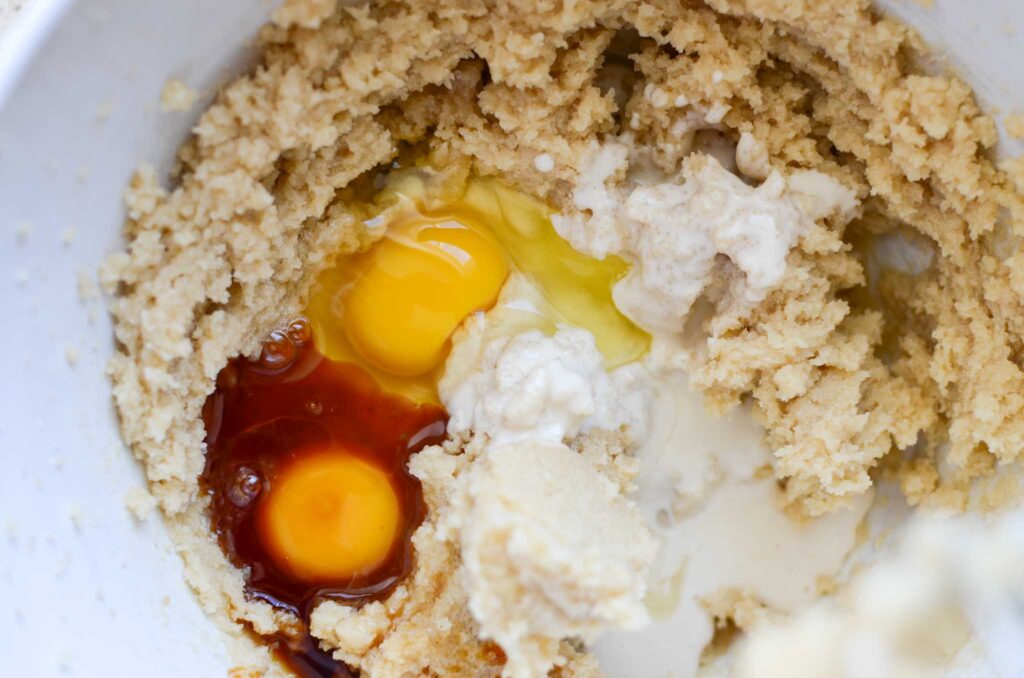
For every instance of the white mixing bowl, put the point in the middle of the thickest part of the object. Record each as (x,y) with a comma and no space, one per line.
(87,590)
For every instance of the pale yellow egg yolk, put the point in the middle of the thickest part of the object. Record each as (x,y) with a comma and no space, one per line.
(417,286)
(329,516)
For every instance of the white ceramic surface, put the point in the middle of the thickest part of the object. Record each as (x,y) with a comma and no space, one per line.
(85,589)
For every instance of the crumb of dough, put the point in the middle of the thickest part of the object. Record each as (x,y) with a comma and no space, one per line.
(251,660)
(303,13)
(139,503)
(71,355)
(1014,168)
(103,110)
(1002,493)
(85,286)
(260,202)
(76,516)
(1014,123)
(68,235)
(918,479)
(22,230)
(176,96)
(608,452)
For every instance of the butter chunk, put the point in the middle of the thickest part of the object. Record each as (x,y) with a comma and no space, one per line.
(550,550)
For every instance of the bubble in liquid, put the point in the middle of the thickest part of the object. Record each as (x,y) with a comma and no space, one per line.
(300,332)
(278,351)
(314,407)
(245,487)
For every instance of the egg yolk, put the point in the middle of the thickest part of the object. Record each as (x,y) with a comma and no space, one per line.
(329,516)
(416,286)
(447,253)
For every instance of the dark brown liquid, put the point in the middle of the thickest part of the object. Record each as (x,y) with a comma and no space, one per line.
(261,417)
(306,660)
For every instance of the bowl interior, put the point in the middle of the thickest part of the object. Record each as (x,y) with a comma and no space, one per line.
(89,590)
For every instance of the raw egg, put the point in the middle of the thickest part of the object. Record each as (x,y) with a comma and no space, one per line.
(329,516)
(394,308)
(417,286)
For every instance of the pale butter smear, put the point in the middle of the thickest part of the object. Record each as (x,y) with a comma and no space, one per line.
(535,386)
(682,233)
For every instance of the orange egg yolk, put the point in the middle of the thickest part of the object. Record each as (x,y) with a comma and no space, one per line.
(416,287)
(330,516)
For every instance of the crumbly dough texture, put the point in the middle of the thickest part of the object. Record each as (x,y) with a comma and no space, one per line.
(1014,123)
(846,365)
(550,548)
